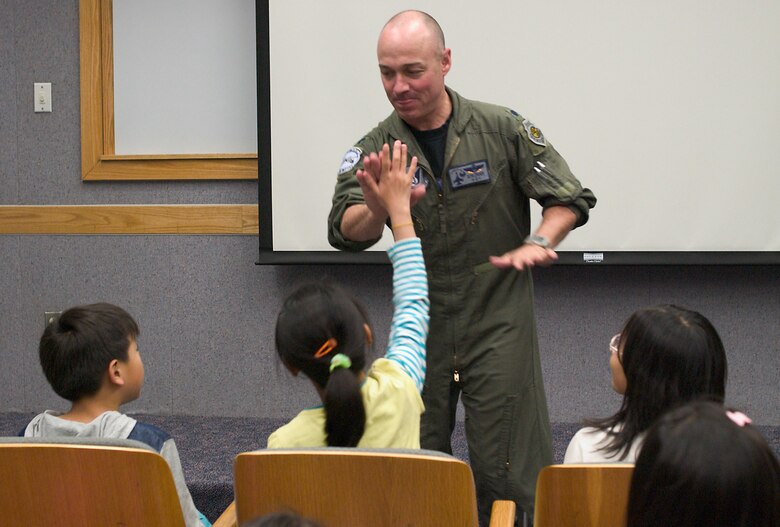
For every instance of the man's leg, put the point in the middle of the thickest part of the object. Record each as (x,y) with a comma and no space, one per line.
(440,397)
(507,428)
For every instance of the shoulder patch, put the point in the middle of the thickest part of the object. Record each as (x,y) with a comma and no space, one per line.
(534,134)
(351,158)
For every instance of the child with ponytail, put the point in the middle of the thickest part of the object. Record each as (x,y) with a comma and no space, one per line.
(323,332)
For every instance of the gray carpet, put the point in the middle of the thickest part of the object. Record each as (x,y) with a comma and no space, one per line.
(208,445)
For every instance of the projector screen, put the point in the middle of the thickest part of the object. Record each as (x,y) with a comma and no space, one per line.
(668,110)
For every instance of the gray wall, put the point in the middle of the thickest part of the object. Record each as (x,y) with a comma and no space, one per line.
(207,312)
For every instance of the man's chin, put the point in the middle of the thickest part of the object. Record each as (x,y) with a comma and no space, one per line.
(405,113)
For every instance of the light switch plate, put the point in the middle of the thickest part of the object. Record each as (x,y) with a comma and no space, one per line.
(42,97)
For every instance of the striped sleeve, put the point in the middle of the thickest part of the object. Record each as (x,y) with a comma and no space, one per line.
(409,329)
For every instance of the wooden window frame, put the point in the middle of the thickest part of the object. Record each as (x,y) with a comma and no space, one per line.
(99,161)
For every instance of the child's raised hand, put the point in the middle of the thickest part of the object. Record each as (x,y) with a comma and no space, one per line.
(393,190)
(395,181)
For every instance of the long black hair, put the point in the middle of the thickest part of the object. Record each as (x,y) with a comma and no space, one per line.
(310,317)
(699,467)
(670,355)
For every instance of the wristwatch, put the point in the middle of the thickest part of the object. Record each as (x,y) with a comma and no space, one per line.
(536,239)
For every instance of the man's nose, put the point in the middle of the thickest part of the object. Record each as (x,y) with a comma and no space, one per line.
(400,85)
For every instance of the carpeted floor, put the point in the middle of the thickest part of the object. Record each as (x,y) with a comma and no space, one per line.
(208,445)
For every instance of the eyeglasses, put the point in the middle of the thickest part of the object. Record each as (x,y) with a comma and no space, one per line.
(613,343)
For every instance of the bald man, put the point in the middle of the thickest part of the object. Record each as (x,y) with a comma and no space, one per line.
(478,165)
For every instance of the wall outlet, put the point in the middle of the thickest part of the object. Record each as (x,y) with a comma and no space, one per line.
(51,316)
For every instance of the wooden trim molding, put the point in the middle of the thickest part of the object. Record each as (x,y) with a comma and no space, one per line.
(128,219)
(98,160)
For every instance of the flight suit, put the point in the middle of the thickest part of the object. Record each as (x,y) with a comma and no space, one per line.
(482,344)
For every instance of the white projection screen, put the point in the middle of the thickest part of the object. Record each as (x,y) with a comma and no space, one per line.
(668,110)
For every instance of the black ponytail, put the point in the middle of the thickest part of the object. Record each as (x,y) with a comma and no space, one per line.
(312,316)
(344,411)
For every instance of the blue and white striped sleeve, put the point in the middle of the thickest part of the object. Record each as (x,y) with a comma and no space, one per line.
(409,329)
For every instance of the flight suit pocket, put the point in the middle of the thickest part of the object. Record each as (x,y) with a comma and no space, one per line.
(505,439)
(494,222)
(484,267)
(522,443)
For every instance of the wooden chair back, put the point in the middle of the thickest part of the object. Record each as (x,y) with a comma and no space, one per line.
(347,487)
(587,495)
(66,484)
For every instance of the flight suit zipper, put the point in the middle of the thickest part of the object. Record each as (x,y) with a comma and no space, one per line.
(443,223)
(442,215)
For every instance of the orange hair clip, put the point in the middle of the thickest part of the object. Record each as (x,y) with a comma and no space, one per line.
(326,348)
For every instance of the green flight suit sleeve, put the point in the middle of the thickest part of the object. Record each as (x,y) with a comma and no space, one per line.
(546,175)
(348,193)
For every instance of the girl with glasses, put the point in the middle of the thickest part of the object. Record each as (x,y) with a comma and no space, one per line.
(665,356)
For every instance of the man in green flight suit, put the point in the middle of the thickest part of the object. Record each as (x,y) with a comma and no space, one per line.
(478,166)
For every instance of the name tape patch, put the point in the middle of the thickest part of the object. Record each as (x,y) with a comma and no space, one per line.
(463,176)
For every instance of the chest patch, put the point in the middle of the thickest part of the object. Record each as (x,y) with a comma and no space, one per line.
(463,176)
(351,158)
(419,178)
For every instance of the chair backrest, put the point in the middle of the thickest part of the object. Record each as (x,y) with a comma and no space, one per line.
(82,482)
(583,495)
(350,486)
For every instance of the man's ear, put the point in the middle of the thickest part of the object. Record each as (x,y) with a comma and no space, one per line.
(115,373)
(446,61)
(369,334)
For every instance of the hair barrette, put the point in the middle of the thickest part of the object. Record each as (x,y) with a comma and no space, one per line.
(326,348)
(739,418)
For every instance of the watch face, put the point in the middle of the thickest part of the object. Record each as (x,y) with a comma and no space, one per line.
(541,241)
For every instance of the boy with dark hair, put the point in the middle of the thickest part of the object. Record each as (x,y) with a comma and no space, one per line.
(90,357)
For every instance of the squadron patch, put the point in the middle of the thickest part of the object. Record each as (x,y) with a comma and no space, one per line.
(351,158)
(475,173)
(534,134)
(419,178)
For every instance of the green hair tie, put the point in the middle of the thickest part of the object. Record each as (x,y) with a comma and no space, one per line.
(340,360)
